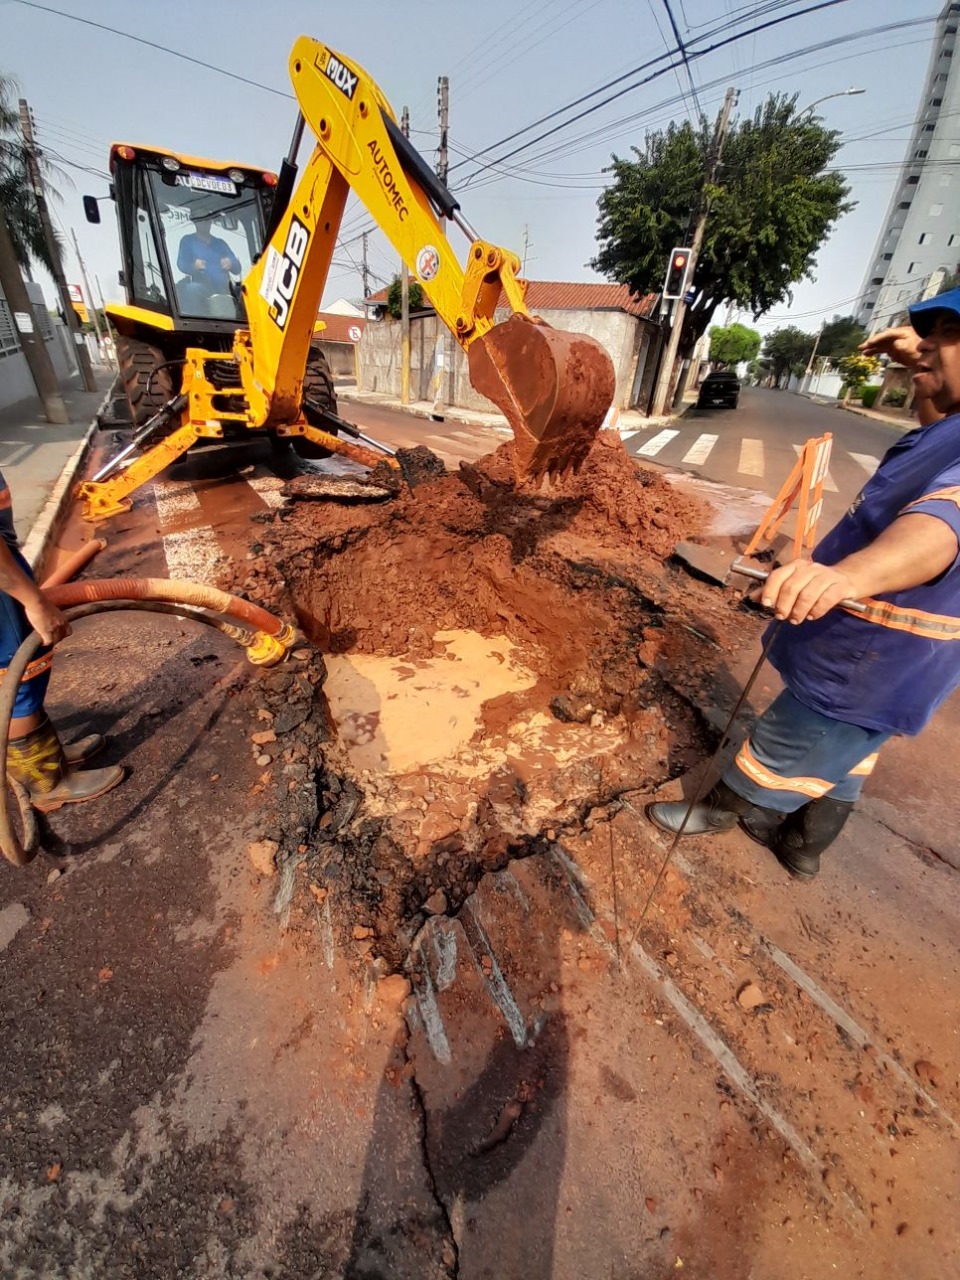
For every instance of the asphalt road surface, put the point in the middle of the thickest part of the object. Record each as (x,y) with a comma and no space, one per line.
(193,1089)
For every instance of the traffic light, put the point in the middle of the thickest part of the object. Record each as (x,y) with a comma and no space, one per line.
(675,285)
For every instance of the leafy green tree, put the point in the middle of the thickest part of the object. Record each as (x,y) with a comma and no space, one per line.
(841,337)
(772,205)
(395,298)
(787,347)
(733,344)
(16,194)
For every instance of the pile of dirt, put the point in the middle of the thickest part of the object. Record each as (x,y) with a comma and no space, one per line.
(499,660)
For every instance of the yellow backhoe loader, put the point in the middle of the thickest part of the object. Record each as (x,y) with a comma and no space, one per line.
(216,334)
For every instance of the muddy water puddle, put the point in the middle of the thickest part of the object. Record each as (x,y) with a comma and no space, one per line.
(452,712)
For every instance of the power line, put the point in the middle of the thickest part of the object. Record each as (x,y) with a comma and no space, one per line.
(584,140)
(161,48)
(645,66)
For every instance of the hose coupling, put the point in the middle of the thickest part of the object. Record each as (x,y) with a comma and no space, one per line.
(266,651)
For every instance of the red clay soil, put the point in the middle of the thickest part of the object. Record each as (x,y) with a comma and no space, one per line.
(622,651)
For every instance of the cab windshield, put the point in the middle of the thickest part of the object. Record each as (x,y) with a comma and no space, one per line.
(212,228)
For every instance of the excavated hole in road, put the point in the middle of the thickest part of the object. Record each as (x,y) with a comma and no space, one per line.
(493,669)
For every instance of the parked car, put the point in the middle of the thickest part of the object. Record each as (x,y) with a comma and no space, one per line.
(719,390)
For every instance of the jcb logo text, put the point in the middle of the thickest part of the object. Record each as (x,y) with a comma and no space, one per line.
(284,272)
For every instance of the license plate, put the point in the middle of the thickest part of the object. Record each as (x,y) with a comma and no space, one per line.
(206,182)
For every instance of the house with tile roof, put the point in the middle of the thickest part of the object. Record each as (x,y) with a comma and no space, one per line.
(627,325)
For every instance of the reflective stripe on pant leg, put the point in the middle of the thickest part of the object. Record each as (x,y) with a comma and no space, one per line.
(849,788)
(795,755)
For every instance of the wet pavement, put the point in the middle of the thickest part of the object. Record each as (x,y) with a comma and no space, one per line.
(209,1073)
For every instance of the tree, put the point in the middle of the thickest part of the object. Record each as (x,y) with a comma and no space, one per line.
(841,337)
(787,347)
(772,206)
(16,194)
(733,344)
(856,369)
(395,299)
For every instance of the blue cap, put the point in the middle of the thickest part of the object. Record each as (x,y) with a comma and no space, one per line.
(923,315)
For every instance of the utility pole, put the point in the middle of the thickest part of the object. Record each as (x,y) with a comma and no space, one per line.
(813,353)
(88,290)
(28,332)
(443,165)
(673,343)
(526,249)
(53,247)
(405,301)
(364,269)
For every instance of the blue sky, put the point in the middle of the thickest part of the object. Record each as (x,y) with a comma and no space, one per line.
(509,62)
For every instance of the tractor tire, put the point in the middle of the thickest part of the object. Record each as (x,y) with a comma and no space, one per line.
(146,384)
(318,387)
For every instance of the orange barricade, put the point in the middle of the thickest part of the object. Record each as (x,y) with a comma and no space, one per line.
(804,486)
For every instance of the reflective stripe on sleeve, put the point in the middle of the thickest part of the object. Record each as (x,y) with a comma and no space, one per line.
(36,667)
(931,626)
(749,765)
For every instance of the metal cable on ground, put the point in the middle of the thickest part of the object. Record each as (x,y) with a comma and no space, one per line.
(21,852)
(698,792)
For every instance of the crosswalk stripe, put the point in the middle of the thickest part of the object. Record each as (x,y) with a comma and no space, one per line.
(658,442)
(701,450)
(751,457)
(867,461)
(628,435)
(190,553)
(828,481)
(267,489)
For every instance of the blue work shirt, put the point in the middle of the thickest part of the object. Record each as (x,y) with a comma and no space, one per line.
(892,668)
(210,253)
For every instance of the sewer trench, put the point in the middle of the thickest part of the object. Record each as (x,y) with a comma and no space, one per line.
(496,663)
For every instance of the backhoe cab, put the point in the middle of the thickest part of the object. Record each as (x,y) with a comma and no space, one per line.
(190,230)
(223,293)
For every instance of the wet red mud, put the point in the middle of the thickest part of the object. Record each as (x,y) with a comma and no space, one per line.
(619,655)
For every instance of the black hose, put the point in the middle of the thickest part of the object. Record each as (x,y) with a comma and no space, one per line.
(20,853)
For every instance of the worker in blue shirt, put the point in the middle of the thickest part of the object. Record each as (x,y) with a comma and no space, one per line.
(207,260)
(852,680)
(36,758)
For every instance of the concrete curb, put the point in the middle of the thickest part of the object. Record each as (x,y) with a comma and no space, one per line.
(47,524)
(869,414)
(466,418)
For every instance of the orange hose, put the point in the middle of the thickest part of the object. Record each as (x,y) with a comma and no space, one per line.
(74,563)
(179,592)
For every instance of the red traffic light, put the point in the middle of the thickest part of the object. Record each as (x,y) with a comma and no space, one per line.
(675,284)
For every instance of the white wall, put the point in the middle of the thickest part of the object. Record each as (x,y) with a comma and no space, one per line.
(379,354)
(16,382)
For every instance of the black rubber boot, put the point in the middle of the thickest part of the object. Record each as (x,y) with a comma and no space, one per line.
(719,810)
(762,825)
(806,833)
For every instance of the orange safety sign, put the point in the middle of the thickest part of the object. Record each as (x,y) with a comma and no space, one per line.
(803,486)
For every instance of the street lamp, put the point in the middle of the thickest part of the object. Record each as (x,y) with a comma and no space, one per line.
(841,93)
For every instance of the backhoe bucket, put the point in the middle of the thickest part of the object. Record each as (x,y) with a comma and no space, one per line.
(553,387)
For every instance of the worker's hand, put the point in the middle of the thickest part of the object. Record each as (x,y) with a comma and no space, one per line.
(900,344)
(226,263)
(803,590)
(199,264)
(47,620)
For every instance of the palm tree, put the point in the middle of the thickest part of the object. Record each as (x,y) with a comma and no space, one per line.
(16,195)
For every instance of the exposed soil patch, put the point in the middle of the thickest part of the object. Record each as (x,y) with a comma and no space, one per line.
(503,660)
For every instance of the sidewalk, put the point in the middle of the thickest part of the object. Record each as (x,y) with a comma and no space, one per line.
(39,460)
(630,420)
(904,420)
